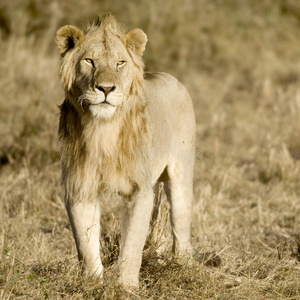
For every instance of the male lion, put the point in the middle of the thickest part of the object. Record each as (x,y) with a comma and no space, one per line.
(122,130)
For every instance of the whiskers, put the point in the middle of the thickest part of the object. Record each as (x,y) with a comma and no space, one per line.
(87,98)
(82,100)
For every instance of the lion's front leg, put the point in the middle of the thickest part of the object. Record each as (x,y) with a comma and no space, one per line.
(85,221)
(135,225)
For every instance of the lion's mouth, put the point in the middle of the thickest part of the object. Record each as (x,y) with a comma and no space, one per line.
(102,110)
(102,103)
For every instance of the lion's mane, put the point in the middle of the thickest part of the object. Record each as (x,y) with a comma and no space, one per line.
(103,154)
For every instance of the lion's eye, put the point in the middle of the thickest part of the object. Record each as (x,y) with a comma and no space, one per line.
(89,61)
(121,63)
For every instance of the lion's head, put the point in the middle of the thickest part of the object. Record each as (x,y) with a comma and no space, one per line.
(102,66)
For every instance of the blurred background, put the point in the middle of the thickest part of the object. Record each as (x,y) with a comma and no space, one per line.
(240,61)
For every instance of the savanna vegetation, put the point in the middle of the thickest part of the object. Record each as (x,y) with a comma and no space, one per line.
(240,61)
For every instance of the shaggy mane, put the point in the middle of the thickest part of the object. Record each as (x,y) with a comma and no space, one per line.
(107,155)
(106,22)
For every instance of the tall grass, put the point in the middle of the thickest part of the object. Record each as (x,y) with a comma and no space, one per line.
(240,60)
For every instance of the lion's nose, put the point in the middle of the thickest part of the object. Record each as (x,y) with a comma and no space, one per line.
(105,89)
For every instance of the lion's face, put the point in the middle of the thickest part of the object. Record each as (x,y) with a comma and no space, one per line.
(104,78)
(100,66)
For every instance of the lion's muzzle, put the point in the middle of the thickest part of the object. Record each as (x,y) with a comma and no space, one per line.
(105,89)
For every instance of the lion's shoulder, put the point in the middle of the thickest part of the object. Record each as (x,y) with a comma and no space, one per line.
(165,91)
(159,77)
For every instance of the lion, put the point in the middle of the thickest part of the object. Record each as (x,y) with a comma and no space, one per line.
(122,130)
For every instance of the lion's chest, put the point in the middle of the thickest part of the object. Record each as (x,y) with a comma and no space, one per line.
(114,176)
(117,152)
(115,166)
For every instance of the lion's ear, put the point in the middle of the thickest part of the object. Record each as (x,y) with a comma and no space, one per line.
(137,39)
(67,38)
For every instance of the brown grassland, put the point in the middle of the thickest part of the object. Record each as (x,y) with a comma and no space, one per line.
(240,60)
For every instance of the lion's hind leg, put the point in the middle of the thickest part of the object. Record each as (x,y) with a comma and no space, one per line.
(179,191)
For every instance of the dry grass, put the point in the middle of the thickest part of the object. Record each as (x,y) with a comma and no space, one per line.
(240,61)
